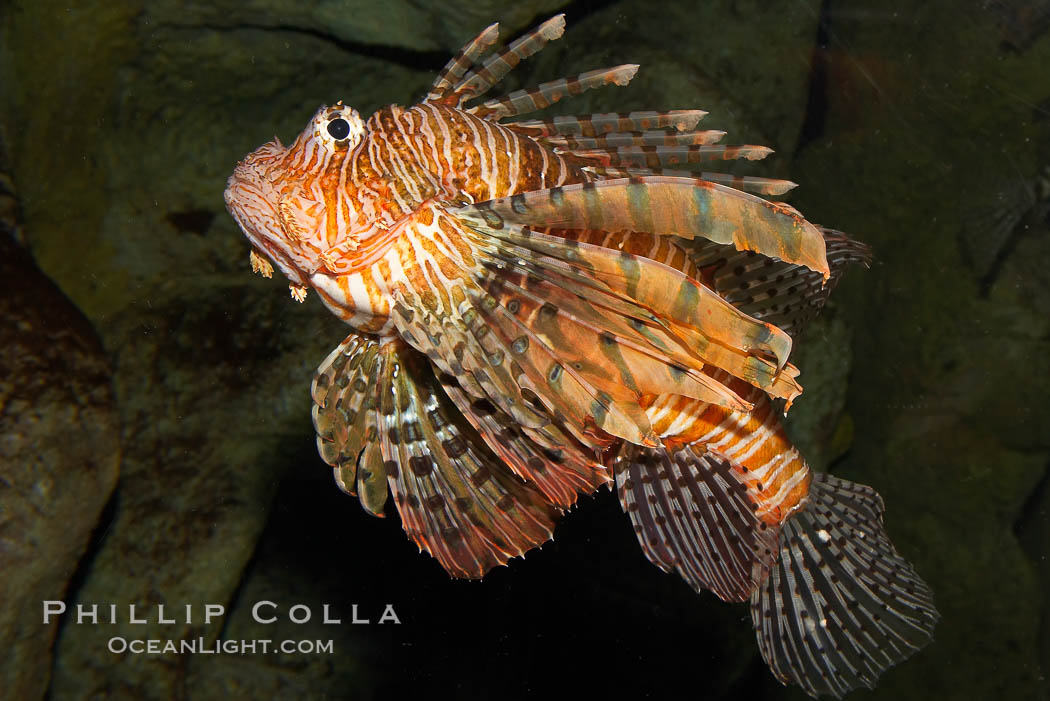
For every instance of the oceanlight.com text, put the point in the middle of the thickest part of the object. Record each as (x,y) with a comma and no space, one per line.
(200,646)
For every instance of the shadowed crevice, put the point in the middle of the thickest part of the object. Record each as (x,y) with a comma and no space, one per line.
(81,573)
(817,99)
(408,58)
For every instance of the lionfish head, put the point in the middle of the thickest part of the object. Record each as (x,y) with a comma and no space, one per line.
(278,194)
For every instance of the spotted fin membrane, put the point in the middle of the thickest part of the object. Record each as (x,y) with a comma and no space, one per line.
(384,423)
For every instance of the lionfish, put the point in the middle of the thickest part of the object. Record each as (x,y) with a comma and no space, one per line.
(543,307)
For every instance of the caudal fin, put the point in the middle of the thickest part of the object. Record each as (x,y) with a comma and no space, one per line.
(841,606)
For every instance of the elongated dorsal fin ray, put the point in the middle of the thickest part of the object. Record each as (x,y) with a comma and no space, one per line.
(459,64)
(593,125)
(634,161)
(660,156)
(546,94)
(495,67)
(652,137)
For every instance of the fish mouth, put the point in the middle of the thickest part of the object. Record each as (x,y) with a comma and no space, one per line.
(252,202)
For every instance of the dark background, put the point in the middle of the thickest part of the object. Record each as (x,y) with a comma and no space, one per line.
(155,407)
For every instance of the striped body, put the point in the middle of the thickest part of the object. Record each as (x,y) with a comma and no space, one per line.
(410,156)
(753,442)
(382,235)
(539,308)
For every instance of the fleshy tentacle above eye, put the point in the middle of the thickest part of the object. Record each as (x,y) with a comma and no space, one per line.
(546,94)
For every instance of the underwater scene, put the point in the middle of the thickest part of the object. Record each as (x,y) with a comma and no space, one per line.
(536,349)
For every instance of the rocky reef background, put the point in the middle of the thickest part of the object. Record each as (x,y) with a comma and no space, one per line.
(136,339)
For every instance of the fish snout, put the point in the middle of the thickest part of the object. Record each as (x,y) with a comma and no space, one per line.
(253,203)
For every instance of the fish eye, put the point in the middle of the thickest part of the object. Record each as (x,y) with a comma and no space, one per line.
(339,128)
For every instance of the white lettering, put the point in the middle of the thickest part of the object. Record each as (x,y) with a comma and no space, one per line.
(160,615)
(131,616)
(327,616)
(259,605)
(304,619)
(54,608)
(389,615)
(356,619)
(81,615)
(117,645)
(211,610)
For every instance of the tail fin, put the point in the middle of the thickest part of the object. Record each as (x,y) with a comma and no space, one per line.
(842,605)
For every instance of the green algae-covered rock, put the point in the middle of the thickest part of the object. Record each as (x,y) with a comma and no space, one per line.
(440,26)
(928,115)
(817,423)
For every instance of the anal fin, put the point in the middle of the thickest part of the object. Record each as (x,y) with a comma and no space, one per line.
(694,516)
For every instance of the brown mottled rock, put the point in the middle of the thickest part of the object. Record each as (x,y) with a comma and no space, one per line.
(213,389)
(59,458)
